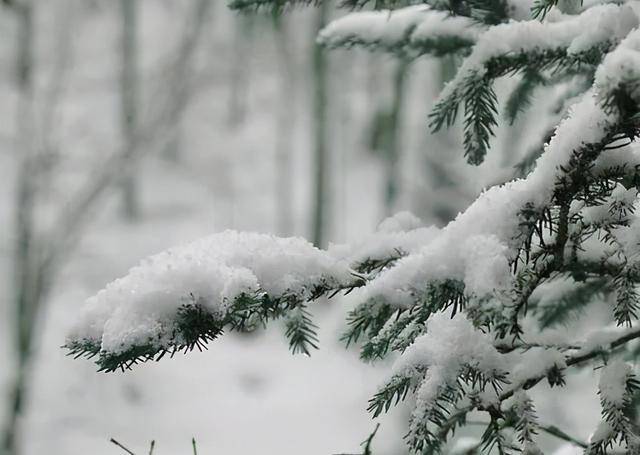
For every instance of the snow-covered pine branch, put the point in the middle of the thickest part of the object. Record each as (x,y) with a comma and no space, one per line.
(465,308)
(186,296)
(564,45)
(409,32)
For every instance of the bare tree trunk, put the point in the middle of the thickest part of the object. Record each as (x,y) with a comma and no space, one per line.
(26,297)
(129,104)
(392,149)
(285,126)
(320,129)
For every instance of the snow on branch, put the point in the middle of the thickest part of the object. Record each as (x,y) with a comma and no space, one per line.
(619,73)
(187,295)
(410,32)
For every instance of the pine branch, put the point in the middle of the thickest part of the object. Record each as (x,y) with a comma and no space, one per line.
(301,331)
(475,91)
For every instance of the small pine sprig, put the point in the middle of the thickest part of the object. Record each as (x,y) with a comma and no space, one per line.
(627,302)
(301,331)
(526,425)
(392,393)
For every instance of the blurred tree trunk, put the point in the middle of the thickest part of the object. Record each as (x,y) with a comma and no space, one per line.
(392,146)
(27,289)
(240,69)
(285,126)
(320,123)
(129,104)
(182,66)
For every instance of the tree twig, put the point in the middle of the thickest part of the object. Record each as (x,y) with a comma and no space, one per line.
(112,440)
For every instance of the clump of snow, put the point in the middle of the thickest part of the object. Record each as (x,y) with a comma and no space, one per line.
(409,27)
(621,67)
(211,272)
(402,233)
(449,345)
(534,362)
(613,383)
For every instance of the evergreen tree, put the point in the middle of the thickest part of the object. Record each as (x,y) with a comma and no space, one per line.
(468,310)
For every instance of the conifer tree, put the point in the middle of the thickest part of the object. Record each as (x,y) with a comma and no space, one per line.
(467,310)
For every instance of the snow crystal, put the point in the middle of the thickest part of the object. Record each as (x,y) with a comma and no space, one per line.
(211,272)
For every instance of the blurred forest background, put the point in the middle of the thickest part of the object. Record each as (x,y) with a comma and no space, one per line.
(128,126)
